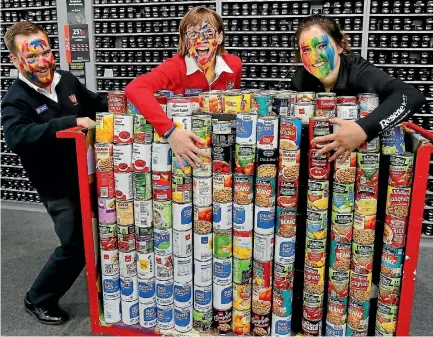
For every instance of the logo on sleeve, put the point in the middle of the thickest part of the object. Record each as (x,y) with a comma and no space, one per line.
(73,99)
(41,109)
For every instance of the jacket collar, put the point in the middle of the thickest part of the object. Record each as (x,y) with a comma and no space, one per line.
(56,81)
(220,66)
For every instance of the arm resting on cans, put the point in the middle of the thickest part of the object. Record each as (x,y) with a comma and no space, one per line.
(21,130)
(399,100)
(142,89)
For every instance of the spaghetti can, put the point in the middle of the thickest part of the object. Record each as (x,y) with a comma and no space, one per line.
(202,127)
(104,157)
(243,189)
(318,195)
(282,302)
(130,312)
(182,294)
(241,296)
(203,272)
(389,290)
(262,104)
(318,127)
(317,224)
(318,165)
(314,280)
(141,157)
(262,277)
(183,319)
(222,243)
(164,292)
(246,125)
(202,188)
(182,243)
(108,236)
(222,271)
(164,267)
(222,188)
(202,219)
(336,313)
(182,122)
(232,103)
(143,130)
(146,291)
(206,169)
(242,244)
(267,132)
(360,286)
(128,288)
(281,326)
(264,220)
(286,222)
(242,271)
(339,257)
(147,314)
(393,140)
(290,133)
(243,217)
(392,261)
(181,106)
(202,321)
(143,213)
(262,300)
(181,189)
(116,102)
(245,158)
(357,316)
(347,111)
(161,186)
(123,129)
(241,322)
(222,296)
(162,214)
(146,265)
(165,316)
(285,249)
(163,241)
(161,157)
(343,197)
(315,252)
(128,264)
(183,269)
(126,238)
(312,308)
(305,97)
(203,298)
(367,168)
(395,231)
(283,276)
(203,246)
(104,132)
(398,201)
(122,158)
(289,162)
(144,239)
(386,318)
(142,185)
(261,324)
(182,217)
(106,210)
(341,227)
(111,286)
(368,101)
(124,189)
(215,101)
(304,111)
(345,172)
(362,258)
(112,310)
(222,320)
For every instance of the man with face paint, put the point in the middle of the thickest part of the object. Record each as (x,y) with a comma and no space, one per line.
(201,64)
(39,103)
(329,66)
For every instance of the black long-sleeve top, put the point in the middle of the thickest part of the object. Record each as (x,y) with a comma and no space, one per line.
(399,100)
(30,121)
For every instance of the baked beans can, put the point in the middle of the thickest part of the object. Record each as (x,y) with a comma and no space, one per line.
(162,214)
(289,164)
(125,242)
(182,294)
(222,243)
(104,127)
(340,253)
(222,271)
(242,271)
(147,314)
(181,106)
(146,290)
(164,292)
(203,246)
(347,111)
(401,170)
(110,286)
(222,128)
(108,236)
(182,122)
(242,244)
(146,265)
(183,269)
(116,102)
(286,222)
(262,104)
(165,316)
(205,170)
(345,172)
(312,308)
(386,318)
(343,197)
(128,264)
(202,188)
(202,219)
(290,133)
(393,140)
(203,272)
(164,267)
(241,322)
(281,326)
(104,157)
(232,103)
(130,312)
(106,210)
(222,320)
(395,231)
(264,220)
(163,241)
(123,129)
(215,101)
(141,157)
(282,302)
(389,290)
(318,195)
(243,217)
(392,261)
(143,130)
(222,296)
(267,132)
(181,189)
(222,188)
(203,298)
(305,97)
(314,280)
(263,247)
(285,249)
(357,317)
(304,111)
(261,324)
(161,157)
(317,224)
(347,100)
(336,313)
(246,126)
(398,201)
(143,213)
(245,159)
(366,199)
(367,168)
(368,101)
(265,192)
(241,296)
(360,286)
(144,239)
(161,186)
(128,288)
(318,165)
(362,258)
(222,159)
(182,216)
(267,163)
(318,127)
(283,276)
(202,127)
(364,228)
(182,243)
(341,227)
(112,310)
(142,185)
(315,252)
(262,277)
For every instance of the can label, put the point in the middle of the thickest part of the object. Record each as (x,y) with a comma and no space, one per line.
(315,252)
(360,286)
(341,227)
(104,127)
(398,201)
(286,222)
(282,302)
(181,189)
(289,164)
(202,188)
(182,217)
(264,220)
(221,128)
(261,324)
(162,214)
(123,129)
(222,271)
(202,220)
(161,157)
(181,106)
(128,264)
(176,169)
(143,213)
(304,111)
(105,184)
(345,172)
(164,292)
(267,163)
(357,315)
(165,317)
(318,127)
(243,189)
(290,134)
(222,216)
(246,99)
(147,314)
(232,103)
(317,224)
(263,247)
(285,249)
(222,296)
(163,241)
(222,188)
(222,243)
(142,184)
(146,290)
(202,321)
(182,294)
(116,102)
(347,111)
(362,258)
(215,102)
(129,288)
(262,300)
(146,265)
(104,157)
(312,306)
(283,276)
(392,261)
(241,322)
(287,194)
(126,242)
(241,296)
(124,189)
(242,271)
(262,104)
(243,217)
(141,157)
(203,272)
(242,244)
(182,122)
(206,169)
(366,199)
(364,228)
(245,159)
(283,104)
(265,192)
(338,286)
(401,170)
(202,127)
(202,298)
(395,231)
(143,130)
(144,239)
(386,321)
(336,316)
(108,236)
(393,140)
(347,100)
(106,210)
(314,280)
(161,183)
(267,133)
(318,166)
(246,125)
(389,290)
(164,267)
(110,286)
(222,159)
(281,326)
(343,198)
(130,312)
(340,253)
(368,168)
(182,243)
(318,195)
(122,158)
(222,320)
(262,277)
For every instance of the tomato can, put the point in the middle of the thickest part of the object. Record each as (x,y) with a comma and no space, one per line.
(393,140)
(345,172)
(386,318)
(340,253)
(143,213)
(317,224)
(336,314)
(347,100)
(130,312)
(179,106)
(147,314)
(338,285)
(241,296)
(162,214)
(165,316)
(347,111)
(312,308)
(264,220)
(314,280)
(304,111)
(392,261)
(318,195)
(124,187)
(110,286)
(242,244)
(108,236)
(122,158)
(142,130)
(265,192)
(315,252)
(104,132)
(290,133)
(144,239)
(181,189)
(125,213)
(182,243)
(318,127)
(246,126)
(222,243)
(305,97)
(243,217)
(286,222)
(203,271)
(146,265)
(222,320)
(202,219)
(241,322)
(389,290)
(285,249)
(222,296)
(222,158)
(142,157)
(142,185)
(223,188)
(109,262)
(398,201)
(262,277)
(281,326)
(126,238)
(222,271)
(164,292)
(282,302)
(263,247)
(161,186)
(341,227)
(261,324)
(395,231)
(289,162)
(283,276)
(161,157)
(222,215)
(215,101)
(367,168)
(245,159)
(116,102)
(360,286)
(123,129)
(232,103)
(318,166)
(203,298)
(267,132)
(357,316)
(243,189)
(343,197)
(242,271)
(401,170)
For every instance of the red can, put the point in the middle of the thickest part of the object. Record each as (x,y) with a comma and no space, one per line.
(287,195)
(395,231)
(311,327)
(161,183)
(319,167)
(318,126)
(347,100)
(312,308)
(283,276)
(105,184)
(262,274)
(326,102)
(117,102)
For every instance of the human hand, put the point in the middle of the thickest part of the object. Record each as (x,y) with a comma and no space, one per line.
(86,122)
(182,143)
(348,137)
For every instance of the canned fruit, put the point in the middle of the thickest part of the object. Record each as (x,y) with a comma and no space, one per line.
(241,322)
(360,286)
(241,296)
(398,201)
(176,169)
(314,280)
(104,128)
(245,159)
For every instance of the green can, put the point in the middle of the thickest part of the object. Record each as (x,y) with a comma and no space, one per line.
(242,270)
(367,168)
(143,130)
(389,290)
(162,214)
(338,286)
(142,183)
(201,125)
(386,321)
(245,159)
(222,243)
(202,321)
(343,198)
(144,239)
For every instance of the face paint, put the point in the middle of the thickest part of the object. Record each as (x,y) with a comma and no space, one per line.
(318,55)
(36,62)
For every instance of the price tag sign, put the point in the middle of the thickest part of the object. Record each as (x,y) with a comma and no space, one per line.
(77,43)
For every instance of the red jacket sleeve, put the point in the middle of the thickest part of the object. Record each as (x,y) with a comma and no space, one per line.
(142,89)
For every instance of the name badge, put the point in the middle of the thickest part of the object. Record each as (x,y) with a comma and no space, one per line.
(41,109)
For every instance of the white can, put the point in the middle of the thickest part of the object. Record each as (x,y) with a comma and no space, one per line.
(130,312)
(222,296)
(112,310)
(202,191)
(246,126)
(165,316)
(263,247)
(128,263)
(183,269)
(123,129)
(142,157)
(304,111)
(281,326)
(203,273)
(183,319)
(222,271)
(110,262)
(143,213)
(122,158)
(146,265)
(205,170)
(123,184)
(163,241)
(203,298)
(147,314)
(129,288)
(182,294)
(222,215)
(285,249)
(182,216)
(164,267)
(267,132)
(164,292)
(146,290)
(347,111)
(203,246)
(182,122)
(179,106)
(161,157)
(182,243)
(243,217)
(264,220)
(111,286)
(242,244)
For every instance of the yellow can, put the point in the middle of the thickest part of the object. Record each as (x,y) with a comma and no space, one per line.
(232,103)
(241,296)
(104,127)
(241,322)
(246,98)
(203,101)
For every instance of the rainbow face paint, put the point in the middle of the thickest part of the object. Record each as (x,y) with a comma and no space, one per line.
(318,55)
(36,61)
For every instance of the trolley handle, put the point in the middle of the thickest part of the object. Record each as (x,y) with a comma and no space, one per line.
(71,132)
(420,130)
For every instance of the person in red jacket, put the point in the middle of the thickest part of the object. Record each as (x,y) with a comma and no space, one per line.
(201,63)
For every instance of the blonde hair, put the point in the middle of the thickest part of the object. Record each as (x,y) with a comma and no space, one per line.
(25,28)
(195,16)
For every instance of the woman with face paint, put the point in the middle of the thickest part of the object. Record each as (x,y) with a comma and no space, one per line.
(329,66)
(201,64)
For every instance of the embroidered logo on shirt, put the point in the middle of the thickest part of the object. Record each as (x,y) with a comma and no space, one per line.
(42,108)
(73,99)
(192,92)
(230,84)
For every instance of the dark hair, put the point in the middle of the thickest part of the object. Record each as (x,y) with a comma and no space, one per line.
(21,28)
(329,25)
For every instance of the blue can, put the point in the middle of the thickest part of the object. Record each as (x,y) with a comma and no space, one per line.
(203,298)
(393,140)
(281,326)
(222,271)
(111,286)
(146,290)
(166,93)
(183,319)
(183,294)
(132,109)
(335,330)
(129,288)
(264,220)
(147,314)
(164,292)
(246,125)
(165,317)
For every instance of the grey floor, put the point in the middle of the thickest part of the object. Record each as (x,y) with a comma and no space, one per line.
(28,238)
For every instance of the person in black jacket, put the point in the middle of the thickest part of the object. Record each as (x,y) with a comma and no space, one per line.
(39,103)
(329,66)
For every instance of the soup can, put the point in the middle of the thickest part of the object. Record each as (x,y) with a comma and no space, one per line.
(222,320)
(203,246)
(124,189)
(261,324)
(347,100)
(290,134)
(283,276)
(117,102)
(202,188)
(182,216)
(222,296)
(147,314)
(267,132)
(130,312)
(143,130)
(165,316)
(243,217)
(319,168)
(182,294)
(162,214)
(281,326)
(347,111)
(123,129)
(318,127)
(202,219)
(146,290)
(203,273)
(203,298)
(122,158)
(112,310)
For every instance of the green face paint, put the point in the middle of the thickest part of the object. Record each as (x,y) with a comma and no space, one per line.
(318,55)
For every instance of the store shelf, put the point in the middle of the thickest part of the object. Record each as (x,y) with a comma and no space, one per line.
(7,64)
(161,3)
(419,82)
(127,63)
(401,49)
(116,77)
(260,48)
(130,49)
(403,65)
(423,115)
(23,191)
(409,14)
(399,31)
(27,8)
(138,19)
(11,166)
(38,22)
(279,79)
(136,34)
(13,178)
(260,32)
(3,90)
(8,154)
(264,16)
(9,77)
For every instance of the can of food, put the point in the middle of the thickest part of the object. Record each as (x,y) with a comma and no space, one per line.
(222,296)
(182,216)
(164,292)
(262,277)
(345,172)
(203,272)
(264,220)
(312,308)
(360,287)
(341,227)
(111,286)
(146,291)
(395,231)
(386,318)
(181,189)
(176,169)
(222,271)
(222,320)
(311,327)
(183,319)
(368,101)
(241,296)
(215,101)
(202,298)
(245,159)
(364,228)
(284,104)
(104,157)
(232,103)
(105,185)
(123,129)
(161,183)
(317,224)
(182,243)
(126,238)
(326,106)
(128,288)
(318,195)
(343,198)
(290,134)
(144,239)
(205,170)
(124,186)
(366,200)
(282,302)
(182,294)
(304,111)
(222,159)
(130,312)
(164,267)
(241,322)
(202,188)
(182,122)
(285,249)
(357,316)
(242,244)
(267,132)
(267,163)
(202,127)
(398,201)
(347,111)
(286,222)
(393,140)
(336,314)
(315,252)
(362,258)
(340,253)
(106,210)
(142,184)
(141,157)
(289,162)
(261,299)
(161,157)
(246,125)
(163,241)
(314,280)
(122,158)
(261,324)
(183,269)
(401,170)
(165,316)
(108,236)
(104,127)
(305,97)
(128,264)
(222,243)
(281,326)
(243,217)
(221,127)
(203,246)
(112,310)
(347,100)
(202,320)
(246,100)
(162,214)
(392,261)
(367,168)
(223,188)
(243,189)
(265,192)
(143,130)
(202,219)
(143,213)
(283,276)
(262,104)
(389,290)
(318,127)
(116,102)
(181,106)
(146,265)
(318,166)
(242,271)
(204,101)
(147,314)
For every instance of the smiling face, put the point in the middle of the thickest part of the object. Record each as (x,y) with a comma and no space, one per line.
(34,59)
(319,53)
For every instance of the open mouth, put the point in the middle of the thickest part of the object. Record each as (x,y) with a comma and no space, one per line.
(43,72)
(318,65)
(202,52)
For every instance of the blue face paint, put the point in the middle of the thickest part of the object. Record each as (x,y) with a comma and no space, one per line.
(330,52)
